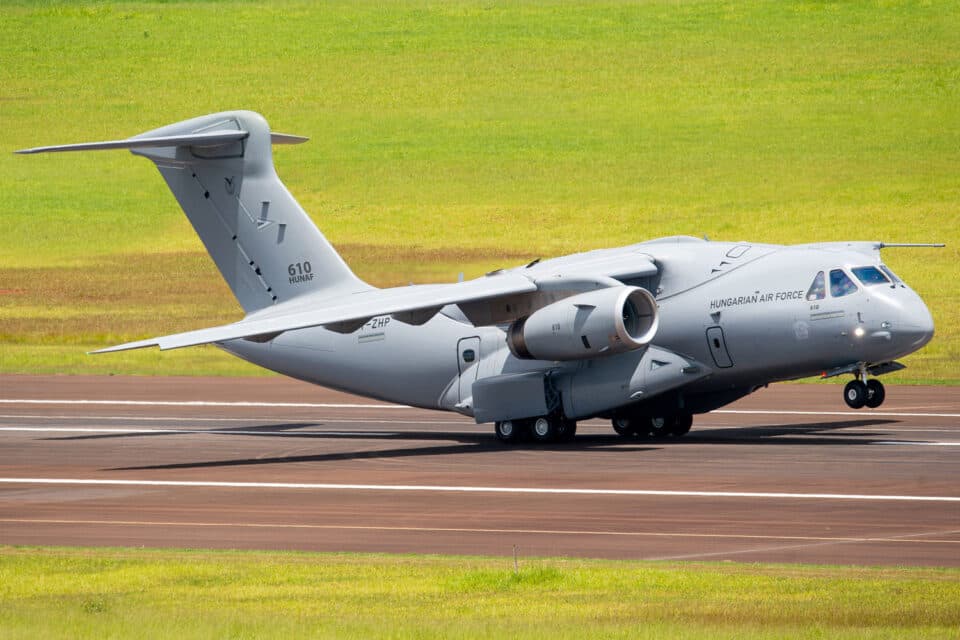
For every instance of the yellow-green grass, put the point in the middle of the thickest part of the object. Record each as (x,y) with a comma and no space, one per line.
(88,593)
(460,136)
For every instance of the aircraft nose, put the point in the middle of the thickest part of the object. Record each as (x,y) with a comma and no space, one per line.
(916,324)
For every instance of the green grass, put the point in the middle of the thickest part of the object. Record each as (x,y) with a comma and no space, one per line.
(52,593)
(474,132)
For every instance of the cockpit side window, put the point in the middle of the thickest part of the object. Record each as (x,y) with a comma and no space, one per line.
(893,276)
(841,284)
(818,290)
(870,276)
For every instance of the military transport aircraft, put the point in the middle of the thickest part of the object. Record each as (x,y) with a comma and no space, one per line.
(646,335)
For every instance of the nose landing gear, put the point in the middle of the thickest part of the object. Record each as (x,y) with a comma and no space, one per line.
(861,392)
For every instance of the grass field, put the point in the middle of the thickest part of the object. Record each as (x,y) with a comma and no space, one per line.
(53,593)
(461,136)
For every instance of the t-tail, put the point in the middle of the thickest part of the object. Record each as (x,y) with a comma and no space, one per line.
(220,168)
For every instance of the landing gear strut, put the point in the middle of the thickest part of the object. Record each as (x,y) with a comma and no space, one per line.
(862,392)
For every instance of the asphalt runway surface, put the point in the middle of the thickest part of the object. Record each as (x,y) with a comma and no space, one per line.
(789,474)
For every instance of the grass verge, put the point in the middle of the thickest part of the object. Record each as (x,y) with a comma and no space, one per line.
(85,593)
(473,130)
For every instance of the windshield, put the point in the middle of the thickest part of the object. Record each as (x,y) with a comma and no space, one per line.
(841,284)
(870,276)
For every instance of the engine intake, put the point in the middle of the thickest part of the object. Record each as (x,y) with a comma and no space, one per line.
(587,325)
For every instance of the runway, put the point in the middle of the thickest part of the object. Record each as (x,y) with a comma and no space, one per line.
(786,475)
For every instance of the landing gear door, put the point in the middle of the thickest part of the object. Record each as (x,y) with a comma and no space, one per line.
(468,363)
(718,348)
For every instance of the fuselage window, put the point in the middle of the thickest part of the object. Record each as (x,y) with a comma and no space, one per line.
(870,275)
(841,284)
(818,289)
(469,355)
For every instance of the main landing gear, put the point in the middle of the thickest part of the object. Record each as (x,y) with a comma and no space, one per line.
(551,428)
(862,392)
(645,426)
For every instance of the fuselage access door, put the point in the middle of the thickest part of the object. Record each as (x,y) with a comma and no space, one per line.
(718,347)
(468,364)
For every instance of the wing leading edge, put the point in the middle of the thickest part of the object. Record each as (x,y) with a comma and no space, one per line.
(493,299)
(346,313)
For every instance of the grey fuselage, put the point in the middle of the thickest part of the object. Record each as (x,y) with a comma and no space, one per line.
(742,313)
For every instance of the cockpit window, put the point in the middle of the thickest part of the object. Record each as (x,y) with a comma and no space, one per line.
(893,276)
(818,289)
(870,275)
(841,284)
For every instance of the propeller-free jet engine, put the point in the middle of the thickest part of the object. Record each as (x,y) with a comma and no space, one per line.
(646,335)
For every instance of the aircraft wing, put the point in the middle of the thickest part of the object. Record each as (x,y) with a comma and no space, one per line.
(413,305)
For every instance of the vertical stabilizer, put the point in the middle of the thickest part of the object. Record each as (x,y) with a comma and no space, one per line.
(264,244)
(220,168)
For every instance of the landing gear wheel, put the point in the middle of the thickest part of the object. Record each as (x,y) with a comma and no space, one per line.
(507,430)
(681,424)
(545,429)
(626,427)
(568,429)
(855,394)
(875,393)
(660,426)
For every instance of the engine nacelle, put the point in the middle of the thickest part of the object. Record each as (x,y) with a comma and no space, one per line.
(587,325)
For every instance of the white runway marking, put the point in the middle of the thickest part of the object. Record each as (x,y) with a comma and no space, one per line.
(308,432)
(220,432)
(312,405)
(469,489)
(916,443)
(556,532)
(41,416)
(205,403)
(862,414)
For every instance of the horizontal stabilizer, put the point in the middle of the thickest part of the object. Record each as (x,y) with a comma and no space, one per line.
(287,138)
(209,139)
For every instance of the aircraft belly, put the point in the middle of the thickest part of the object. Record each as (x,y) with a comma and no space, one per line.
(385,359)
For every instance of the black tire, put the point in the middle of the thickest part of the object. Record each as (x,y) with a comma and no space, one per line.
(876,394)
(855,394)
(681,424)
(568,429)
(545,429)
(508,431)
(624,426)
(660,426)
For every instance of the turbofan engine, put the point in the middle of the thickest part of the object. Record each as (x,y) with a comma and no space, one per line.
(587,325)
